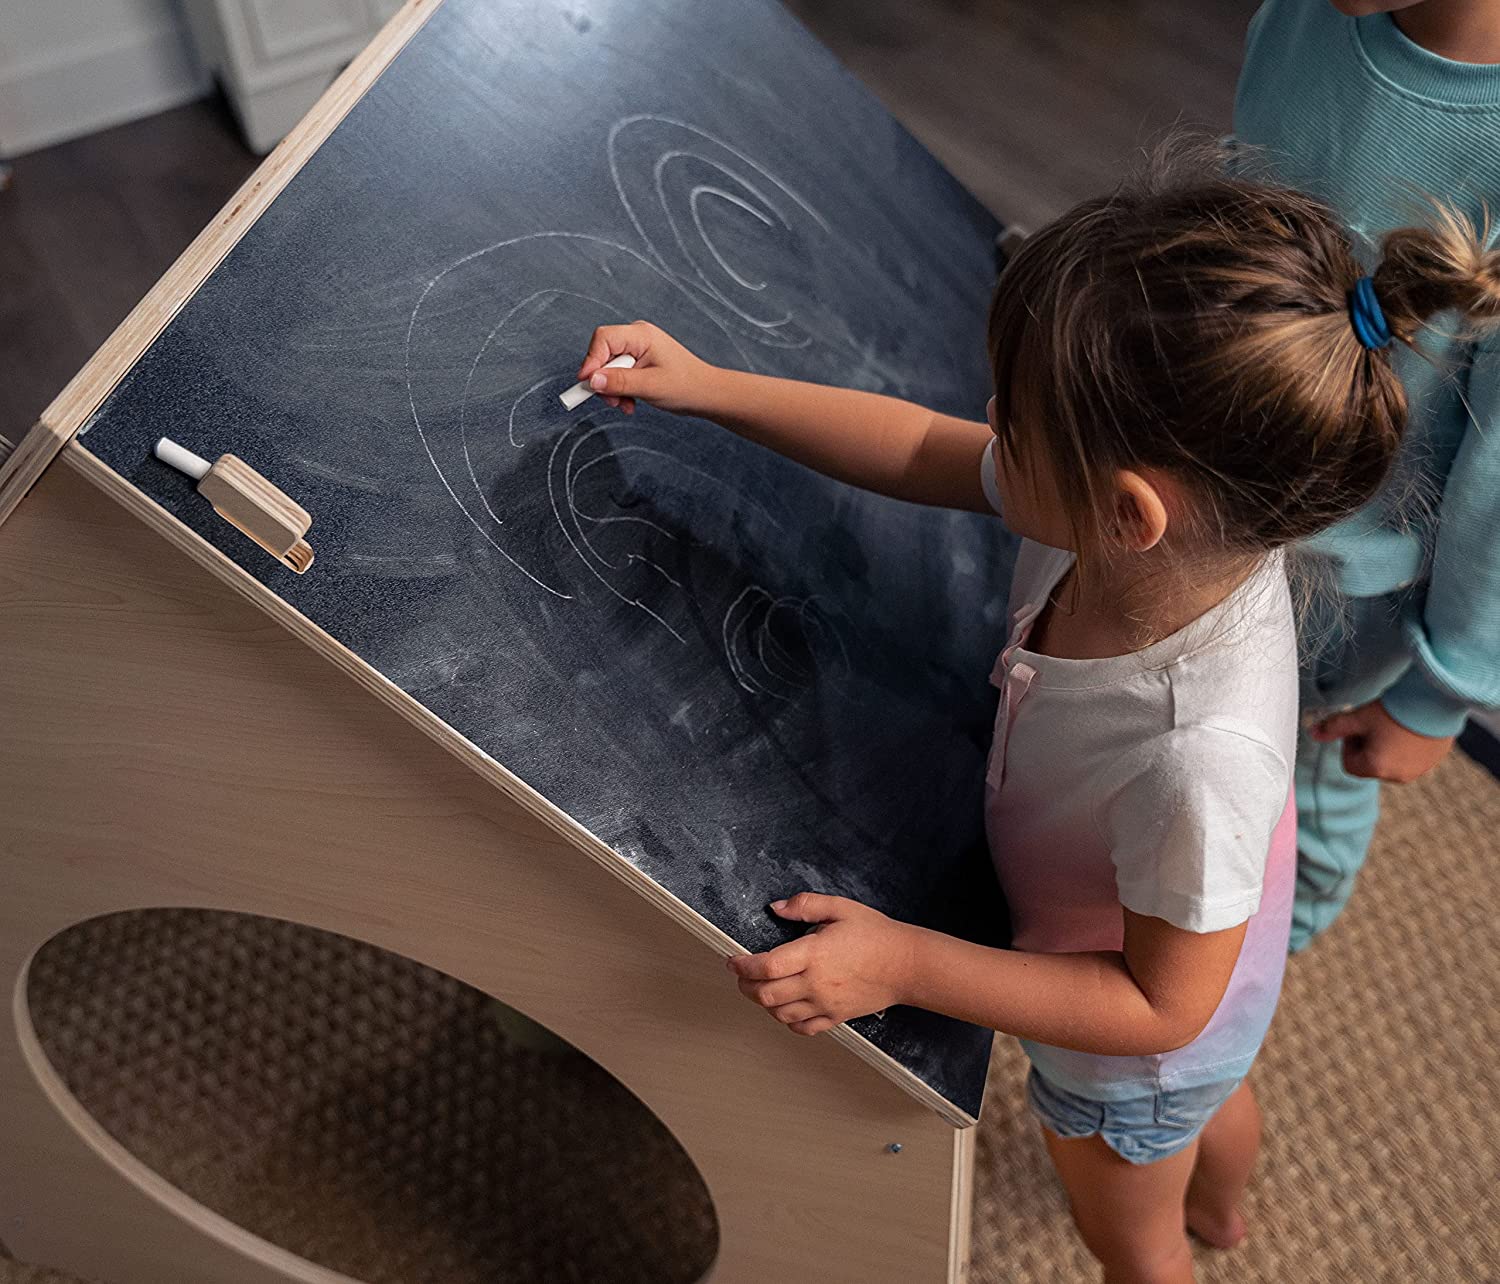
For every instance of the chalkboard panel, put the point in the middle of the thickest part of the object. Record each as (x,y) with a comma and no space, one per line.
(746,679)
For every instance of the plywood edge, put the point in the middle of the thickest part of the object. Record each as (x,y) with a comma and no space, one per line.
(206,555)
(961,1211)
(88,388)
(23,463)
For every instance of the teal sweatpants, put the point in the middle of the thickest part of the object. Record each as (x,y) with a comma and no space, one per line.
(1351,656)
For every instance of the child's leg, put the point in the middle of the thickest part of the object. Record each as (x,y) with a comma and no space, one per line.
(1130,1215)
(1360,649)
(1336,815)
(1227,1148)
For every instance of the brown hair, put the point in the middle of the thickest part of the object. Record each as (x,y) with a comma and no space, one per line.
(1198,323)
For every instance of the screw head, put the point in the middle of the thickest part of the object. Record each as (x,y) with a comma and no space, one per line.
(894,1148)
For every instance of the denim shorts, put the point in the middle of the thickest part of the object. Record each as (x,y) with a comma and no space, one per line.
(1140,1129)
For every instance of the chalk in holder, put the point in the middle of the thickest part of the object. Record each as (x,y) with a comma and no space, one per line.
(247,501)
(581,392)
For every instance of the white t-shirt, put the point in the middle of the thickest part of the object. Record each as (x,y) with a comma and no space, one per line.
(1176,760)
(1159,781)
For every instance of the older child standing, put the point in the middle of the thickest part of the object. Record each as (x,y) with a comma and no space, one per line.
(1371,105)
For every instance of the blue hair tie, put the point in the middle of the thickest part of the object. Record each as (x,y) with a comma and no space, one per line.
(1365,315)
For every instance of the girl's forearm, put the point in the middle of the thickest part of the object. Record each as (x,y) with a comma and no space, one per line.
(878,443)
(1087,1002)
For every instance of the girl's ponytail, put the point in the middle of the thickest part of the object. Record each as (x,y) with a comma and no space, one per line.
(1221,331)
(1445,266)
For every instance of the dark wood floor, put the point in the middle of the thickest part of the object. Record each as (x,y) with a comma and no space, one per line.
(1034,106)
(87,227)
(1038,105)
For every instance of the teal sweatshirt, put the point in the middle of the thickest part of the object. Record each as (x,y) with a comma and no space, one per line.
(1353,112)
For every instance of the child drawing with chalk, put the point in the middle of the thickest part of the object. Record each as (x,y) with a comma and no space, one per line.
(1369,105)
(1191,375)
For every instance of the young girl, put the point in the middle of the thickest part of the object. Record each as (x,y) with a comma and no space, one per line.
(1367,109)
(1190,374)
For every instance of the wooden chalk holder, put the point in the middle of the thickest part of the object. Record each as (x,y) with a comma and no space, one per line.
(247,501)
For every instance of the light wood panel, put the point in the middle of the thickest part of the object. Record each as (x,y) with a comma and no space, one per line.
(168,745)
(83,393)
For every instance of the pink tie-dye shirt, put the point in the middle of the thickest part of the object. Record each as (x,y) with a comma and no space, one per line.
(1160,782)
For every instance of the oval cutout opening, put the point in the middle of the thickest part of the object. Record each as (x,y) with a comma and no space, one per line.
(365,1112)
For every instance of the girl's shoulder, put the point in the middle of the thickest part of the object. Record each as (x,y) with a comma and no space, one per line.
(1243,676)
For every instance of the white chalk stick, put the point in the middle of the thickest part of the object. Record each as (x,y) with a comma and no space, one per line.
(181,458)
(581,392)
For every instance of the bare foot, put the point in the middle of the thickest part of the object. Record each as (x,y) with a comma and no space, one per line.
(1216,1228)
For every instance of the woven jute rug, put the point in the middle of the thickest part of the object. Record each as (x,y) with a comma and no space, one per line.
(385,1121)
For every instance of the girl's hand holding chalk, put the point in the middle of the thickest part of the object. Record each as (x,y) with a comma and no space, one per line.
(640,360)
(581,392)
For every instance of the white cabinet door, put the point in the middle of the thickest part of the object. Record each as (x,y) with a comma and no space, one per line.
(274,57)
(280,30)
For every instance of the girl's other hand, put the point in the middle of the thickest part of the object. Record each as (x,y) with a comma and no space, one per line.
(856,961)
(666,374)
(1378,747)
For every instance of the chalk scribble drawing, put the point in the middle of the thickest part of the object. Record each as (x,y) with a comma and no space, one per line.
(666,174)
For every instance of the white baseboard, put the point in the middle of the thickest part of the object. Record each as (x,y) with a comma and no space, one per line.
(64,93)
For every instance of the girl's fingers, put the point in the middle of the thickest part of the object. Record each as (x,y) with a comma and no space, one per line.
(784,960)
(810,907)
(791,1013)
(610,341)
(814,1025)
(772,994)
(600,350)
(618,383)
(598,353)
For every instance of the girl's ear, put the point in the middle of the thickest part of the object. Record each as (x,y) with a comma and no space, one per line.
(1140,516)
